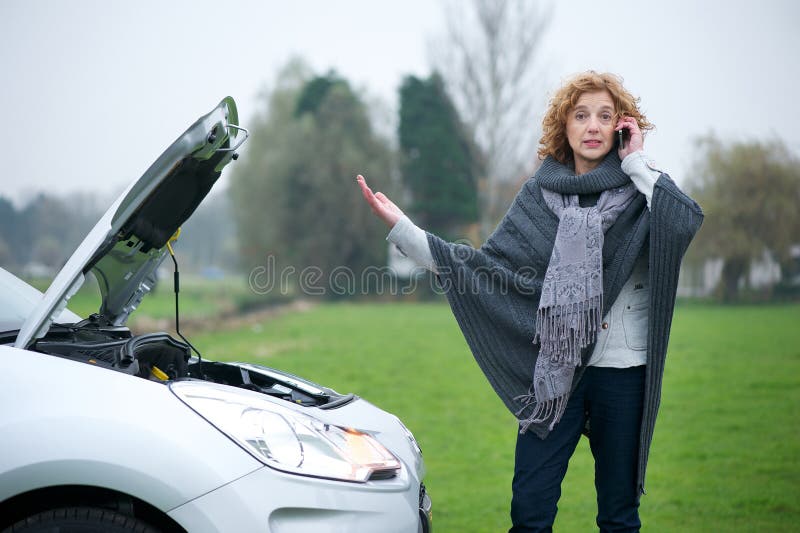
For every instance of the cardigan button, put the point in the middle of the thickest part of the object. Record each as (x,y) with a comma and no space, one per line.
(605,325)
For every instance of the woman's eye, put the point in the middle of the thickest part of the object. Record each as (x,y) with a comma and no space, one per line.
(580,116)
(606,117)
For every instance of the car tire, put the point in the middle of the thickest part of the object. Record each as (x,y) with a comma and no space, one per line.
(80,520)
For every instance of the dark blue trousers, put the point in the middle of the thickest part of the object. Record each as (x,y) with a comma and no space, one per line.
(612,399)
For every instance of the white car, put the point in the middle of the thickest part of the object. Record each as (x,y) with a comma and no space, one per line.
(102,430)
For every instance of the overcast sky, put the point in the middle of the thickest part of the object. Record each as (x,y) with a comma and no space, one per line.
(93,91)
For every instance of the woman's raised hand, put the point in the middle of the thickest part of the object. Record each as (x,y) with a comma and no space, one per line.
(380,204)
(635,140)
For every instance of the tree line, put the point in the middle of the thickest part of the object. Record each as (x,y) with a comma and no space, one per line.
(38,237)
(295,200)
(292,198)
(453,157)
(293,192)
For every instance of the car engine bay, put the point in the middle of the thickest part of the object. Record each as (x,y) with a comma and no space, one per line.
(160,357)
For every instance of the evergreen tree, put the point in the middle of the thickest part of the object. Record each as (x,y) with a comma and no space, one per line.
(440,165)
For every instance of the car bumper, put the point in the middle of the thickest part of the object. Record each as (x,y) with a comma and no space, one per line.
(267,500)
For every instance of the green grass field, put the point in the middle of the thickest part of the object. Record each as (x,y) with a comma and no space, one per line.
(725,454)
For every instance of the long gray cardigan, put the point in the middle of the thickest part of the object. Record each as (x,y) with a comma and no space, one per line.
(494,291)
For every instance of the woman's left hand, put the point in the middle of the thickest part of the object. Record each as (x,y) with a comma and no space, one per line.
(634,141)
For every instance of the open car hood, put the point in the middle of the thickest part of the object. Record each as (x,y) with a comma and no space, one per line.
(127,245)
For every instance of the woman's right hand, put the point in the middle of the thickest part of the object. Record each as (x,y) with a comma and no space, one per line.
(380,204)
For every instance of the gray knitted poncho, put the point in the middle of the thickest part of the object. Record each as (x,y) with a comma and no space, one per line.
(494,290)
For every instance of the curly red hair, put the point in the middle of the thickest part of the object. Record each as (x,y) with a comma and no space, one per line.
(554,125)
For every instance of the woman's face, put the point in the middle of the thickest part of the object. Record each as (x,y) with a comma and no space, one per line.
(590,129)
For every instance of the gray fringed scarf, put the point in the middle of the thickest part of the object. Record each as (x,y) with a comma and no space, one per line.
(571,304)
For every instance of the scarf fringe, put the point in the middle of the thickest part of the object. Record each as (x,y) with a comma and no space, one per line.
(564,330)
(542,411)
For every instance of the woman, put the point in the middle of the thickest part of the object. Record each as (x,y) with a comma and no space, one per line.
(567,306)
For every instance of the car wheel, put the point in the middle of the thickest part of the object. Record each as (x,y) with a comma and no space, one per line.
(80,520)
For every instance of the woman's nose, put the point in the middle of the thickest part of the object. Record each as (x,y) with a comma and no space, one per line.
(594,124)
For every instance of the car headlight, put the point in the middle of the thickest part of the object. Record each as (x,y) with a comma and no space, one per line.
(287,440)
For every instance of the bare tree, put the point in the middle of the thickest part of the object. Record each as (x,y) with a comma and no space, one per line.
(488,59)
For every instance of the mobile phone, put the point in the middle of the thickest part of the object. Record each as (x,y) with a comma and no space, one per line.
(622,137)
